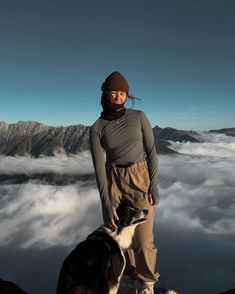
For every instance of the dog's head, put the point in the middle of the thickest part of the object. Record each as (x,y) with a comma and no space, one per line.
(129,216)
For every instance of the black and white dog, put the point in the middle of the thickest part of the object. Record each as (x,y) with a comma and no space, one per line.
(96,265)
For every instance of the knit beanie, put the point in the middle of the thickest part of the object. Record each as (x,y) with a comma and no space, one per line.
(116,82)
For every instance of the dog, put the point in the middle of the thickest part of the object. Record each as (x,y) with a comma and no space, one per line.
(96,265)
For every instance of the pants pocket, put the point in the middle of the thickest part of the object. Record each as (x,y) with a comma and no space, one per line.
(139,179)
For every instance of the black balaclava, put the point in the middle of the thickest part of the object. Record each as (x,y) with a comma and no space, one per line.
(111,111)
(116,82)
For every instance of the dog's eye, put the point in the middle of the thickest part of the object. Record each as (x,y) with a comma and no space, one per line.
(129,209)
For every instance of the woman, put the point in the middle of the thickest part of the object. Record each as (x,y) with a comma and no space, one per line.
(129,173)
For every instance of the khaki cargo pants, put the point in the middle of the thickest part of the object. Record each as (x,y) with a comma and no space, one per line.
(131,184)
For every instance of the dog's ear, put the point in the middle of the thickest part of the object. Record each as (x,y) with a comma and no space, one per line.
(122,207)
(121,213)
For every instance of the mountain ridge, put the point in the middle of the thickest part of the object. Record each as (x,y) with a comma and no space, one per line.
(36,139)
(226,131)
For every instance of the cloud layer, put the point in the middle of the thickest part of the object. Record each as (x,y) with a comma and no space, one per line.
(80,164)
(194,224)
(214,145)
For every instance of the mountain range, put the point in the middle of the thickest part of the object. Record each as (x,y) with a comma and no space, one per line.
(31,138)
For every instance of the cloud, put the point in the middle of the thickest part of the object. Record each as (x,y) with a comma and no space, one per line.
(77,164)
(198,193)
(214,145)
(194,224)
(43,215)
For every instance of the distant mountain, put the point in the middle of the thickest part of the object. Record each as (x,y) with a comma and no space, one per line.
(174,134)
(35,139)
(227,131)
(52,178)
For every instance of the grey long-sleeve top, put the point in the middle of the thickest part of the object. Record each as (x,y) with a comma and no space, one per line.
(126,139)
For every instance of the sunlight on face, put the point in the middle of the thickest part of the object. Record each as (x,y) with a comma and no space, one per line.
(117,97)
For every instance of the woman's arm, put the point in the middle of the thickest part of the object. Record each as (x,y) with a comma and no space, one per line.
(100,172)
(151,154)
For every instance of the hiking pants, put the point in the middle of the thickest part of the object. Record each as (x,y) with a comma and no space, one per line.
(131,184)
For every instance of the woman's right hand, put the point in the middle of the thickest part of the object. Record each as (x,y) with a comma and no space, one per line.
(111,223)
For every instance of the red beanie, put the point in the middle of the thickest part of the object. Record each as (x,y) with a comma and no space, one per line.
(116,82)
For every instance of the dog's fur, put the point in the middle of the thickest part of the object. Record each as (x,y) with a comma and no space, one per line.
(96,265)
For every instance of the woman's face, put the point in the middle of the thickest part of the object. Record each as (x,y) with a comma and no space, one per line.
(117,97)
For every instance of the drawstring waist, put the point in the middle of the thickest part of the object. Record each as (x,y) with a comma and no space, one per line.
(128,164)
(124,165)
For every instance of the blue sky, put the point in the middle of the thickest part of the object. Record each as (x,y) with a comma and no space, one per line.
(178,57)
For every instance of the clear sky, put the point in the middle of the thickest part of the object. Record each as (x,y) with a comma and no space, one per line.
(178,56)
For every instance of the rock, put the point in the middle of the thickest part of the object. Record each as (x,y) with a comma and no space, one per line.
(7,287)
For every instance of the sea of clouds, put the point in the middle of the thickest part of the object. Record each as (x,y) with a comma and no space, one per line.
(194,224)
